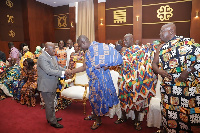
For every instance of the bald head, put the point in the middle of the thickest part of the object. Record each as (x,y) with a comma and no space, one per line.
(50,48)
(167,32)
(69,43)
(128,40)
(83,42)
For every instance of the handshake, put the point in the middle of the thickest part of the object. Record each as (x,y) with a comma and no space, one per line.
(68,72)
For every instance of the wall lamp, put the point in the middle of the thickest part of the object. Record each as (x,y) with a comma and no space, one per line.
(197,14)
(137,18)
(72,25)
(101,21)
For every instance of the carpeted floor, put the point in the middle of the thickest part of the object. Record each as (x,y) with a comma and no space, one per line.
(17,118)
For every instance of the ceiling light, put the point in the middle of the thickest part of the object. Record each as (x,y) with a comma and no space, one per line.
(54,2)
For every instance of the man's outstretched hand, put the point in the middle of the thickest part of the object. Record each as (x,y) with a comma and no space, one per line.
(68,72)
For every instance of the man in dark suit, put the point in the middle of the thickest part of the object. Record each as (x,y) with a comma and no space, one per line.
(48,73)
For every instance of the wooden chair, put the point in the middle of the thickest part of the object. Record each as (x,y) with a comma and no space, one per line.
(80,90)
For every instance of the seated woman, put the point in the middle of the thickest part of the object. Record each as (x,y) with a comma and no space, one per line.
(2,75)
(78,55)
(29,88)
(21,82)
(38,51)
(27,54)
(8,82)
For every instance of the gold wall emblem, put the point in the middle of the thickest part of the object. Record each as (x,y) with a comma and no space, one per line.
(10,19)
(9,3)
(11,33)
(62,21)
(164,13)
(119,16)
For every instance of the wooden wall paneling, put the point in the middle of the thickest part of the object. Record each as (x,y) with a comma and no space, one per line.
(17,12)
(72,23)
(137,25)
(101,28)
(96,22)
(179,13)
(40,19)
(119,19)
(25,22)
(61,15)
(195,22)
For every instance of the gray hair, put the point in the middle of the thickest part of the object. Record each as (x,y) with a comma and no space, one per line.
(128,35)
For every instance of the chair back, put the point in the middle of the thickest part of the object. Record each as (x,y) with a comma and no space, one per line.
(81,77)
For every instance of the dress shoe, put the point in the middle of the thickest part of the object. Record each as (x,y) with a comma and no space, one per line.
(57,125)
(58,119)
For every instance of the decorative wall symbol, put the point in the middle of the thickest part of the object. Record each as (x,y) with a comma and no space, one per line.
(10,19)
(9,3)
(11,33)
(62,21)
(119,16)
(164,13)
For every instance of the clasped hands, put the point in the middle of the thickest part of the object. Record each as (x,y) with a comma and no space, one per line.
(167,77)
(68,72)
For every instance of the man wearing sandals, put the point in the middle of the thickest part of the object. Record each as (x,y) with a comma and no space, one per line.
(102,93)
(179,61)
(137,84)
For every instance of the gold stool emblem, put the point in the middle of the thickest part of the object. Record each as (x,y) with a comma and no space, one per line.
(62,21)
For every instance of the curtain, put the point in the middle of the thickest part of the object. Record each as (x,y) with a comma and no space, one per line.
(85,23)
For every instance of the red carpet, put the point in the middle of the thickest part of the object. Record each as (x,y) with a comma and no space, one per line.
(18,118)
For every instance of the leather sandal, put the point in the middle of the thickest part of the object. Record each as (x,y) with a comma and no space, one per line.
(138,126)
(89,117)
(120,120)
(95,125)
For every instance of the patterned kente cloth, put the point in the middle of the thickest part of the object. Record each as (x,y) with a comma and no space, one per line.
(102,93)
(11,78)
(79,56)
(29,88)
(180,100)
(61,54)
(138,81)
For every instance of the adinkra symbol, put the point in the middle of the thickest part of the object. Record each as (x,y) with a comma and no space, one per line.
(9,3)
(119,16)
(10,19)
(62,21)
(164,13)
(11,33)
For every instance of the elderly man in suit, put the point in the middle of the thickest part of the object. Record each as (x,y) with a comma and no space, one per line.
(48,73)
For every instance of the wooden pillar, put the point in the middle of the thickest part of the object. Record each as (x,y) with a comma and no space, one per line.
(137,20)
(195,22)
(96,19)
(72,23)
(101,27)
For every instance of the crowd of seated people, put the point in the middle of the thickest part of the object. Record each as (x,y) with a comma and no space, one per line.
(19,74)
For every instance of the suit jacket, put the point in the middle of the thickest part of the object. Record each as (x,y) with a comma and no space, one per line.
(48,73)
